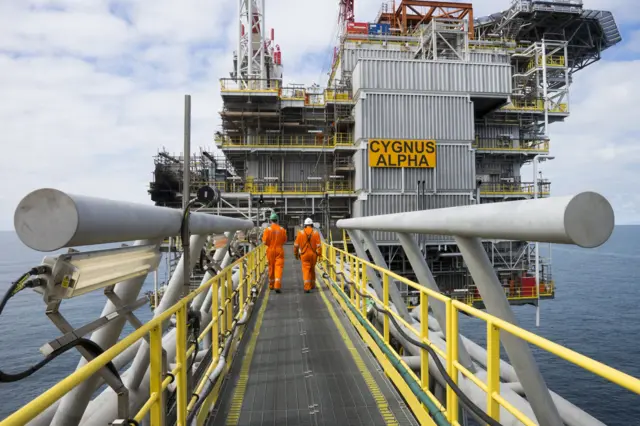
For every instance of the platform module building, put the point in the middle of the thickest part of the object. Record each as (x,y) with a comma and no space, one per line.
(426,107)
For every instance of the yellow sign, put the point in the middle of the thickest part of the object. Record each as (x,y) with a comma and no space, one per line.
(402,153)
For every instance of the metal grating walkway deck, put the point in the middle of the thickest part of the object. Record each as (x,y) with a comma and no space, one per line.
(303,369)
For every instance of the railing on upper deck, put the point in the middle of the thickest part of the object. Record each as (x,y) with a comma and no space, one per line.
(361,286)
(311,187)
(514,189)
(312,97)
(250,85)
(511,145)
(304,141)
(535,106)
(517,294)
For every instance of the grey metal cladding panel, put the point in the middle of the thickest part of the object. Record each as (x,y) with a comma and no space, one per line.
(351,56)
(297,171)
(359,160)
(388,204)
(432,76)
(495,132)
(455,171)
(407,116)
(489,57)
(296,167)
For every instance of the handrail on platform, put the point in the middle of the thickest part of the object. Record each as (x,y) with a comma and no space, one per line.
(251,269)
(586,220)
(352,283)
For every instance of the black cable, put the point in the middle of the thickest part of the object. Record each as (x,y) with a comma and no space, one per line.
(14,289)
(463,397)
(86,343)
(92,347)
(194,321)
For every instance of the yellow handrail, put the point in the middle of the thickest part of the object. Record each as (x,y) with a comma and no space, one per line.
(256,265)
(288,141)
(340,187)
(516,188)
(511,145)
(535,105)
(357,275)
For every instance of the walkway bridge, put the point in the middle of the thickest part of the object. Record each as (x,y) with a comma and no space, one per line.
(349,353)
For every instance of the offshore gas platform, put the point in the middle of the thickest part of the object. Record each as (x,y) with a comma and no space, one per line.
(404,160)
(482,92)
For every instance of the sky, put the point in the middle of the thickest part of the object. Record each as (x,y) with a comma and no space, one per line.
(91,90)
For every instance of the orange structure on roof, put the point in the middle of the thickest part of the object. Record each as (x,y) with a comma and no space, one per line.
(412,13)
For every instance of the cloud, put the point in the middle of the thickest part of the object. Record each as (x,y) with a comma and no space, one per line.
(92,89)
(597,148)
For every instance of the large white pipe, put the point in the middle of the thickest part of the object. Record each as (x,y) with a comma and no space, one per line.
(218,257)
(171,296)
(570,414)
(48,219)
(586,219)
(104,406)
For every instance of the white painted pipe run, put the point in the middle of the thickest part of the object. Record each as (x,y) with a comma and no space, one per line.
(48,219)
(586,220)
(104,406)
(571,415)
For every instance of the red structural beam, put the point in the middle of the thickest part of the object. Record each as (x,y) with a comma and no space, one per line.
(411,13)
(347,10)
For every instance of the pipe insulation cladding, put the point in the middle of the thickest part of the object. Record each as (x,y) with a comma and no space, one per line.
(48,219)
(585,219)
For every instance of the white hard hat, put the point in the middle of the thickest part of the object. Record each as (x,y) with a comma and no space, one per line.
(308,221)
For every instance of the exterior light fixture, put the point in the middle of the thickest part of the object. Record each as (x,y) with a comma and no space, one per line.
(75,274)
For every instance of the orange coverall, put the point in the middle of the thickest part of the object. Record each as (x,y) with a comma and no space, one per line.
(274,238)
(309,249)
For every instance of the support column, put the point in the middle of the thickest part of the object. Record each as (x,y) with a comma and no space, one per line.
(518,350)
(378,259)
(218,256)
(362,254)
(173,293)
(425,278)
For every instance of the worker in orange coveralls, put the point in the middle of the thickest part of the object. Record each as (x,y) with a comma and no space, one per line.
(308,249)
(274,238)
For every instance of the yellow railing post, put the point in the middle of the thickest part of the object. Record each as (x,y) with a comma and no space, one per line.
(181,360)
(424,335)
(342,268)
(241,284)
(452,399)
(453,373)
(363,289)
(228,307)
(222,319)
(332,261)
(493,370)
(155,376)
(215,317)
(385,293)
(354,278)
(357,283)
